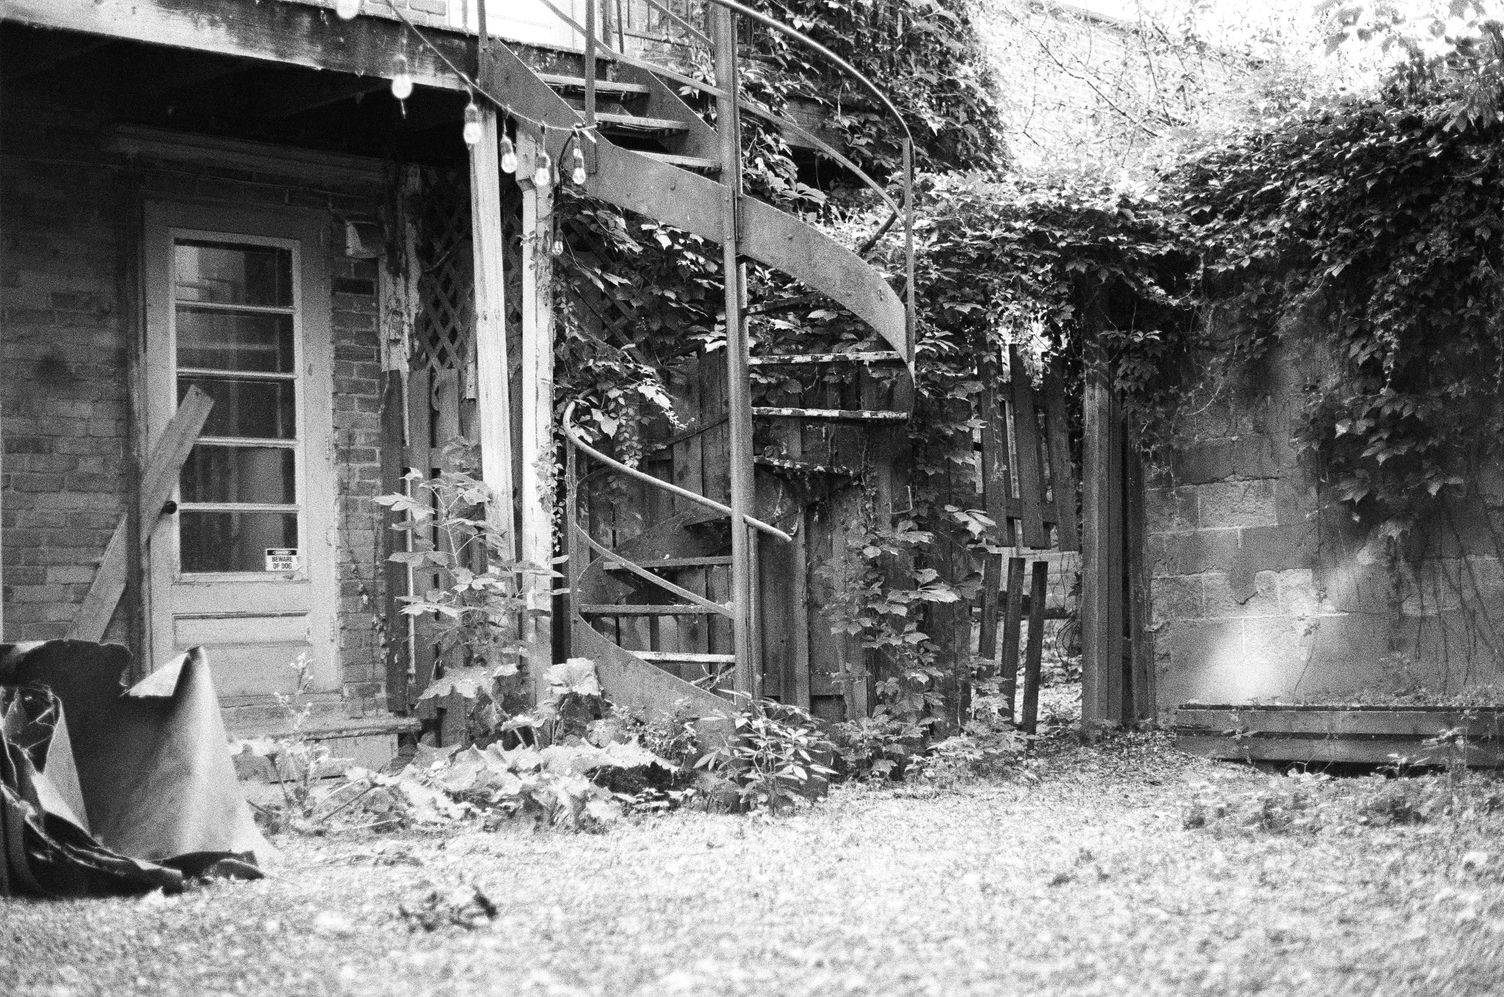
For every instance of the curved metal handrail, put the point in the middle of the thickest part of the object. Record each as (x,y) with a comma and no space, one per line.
(905,210)
(572,434)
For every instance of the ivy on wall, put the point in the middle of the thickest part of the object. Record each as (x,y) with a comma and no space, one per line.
(1371,229)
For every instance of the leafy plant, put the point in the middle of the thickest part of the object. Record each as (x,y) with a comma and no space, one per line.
(478,605)
(774,757)
(877,747)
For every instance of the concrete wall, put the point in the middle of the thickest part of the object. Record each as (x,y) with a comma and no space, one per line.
(1260,594)
(67,242)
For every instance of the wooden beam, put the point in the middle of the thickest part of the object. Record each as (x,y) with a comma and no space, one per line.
(288,33)
(537,416)
(157,485)
(1101,589)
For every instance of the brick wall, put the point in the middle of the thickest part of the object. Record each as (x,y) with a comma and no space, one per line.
(1259,593)
(66,206)
(63,394)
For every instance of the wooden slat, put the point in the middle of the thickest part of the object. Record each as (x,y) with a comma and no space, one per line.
(1062,468)
(639,609)
(157,484)
(420,457)
(1379,751)
(670,563)
(789,360)
(844,414)
(394,573)
(1012,623)
(1319,722)
(1030,475)
(995,492)
(1035,649)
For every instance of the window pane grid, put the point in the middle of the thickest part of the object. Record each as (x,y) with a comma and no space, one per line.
(235,315)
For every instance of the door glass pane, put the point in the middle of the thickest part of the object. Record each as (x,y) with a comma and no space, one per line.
(235,541)
(239,474)
(227,340)
(262,410)
(225,273)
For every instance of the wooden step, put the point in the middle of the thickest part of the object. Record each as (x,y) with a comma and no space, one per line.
(639,123)
(806,466)
(654,609)
(847,414)
(782,360)
(684,162)
(687,657)
(603,88)
(673,563)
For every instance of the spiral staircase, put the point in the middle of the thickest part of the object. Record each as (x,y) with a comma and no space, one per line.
(648,152)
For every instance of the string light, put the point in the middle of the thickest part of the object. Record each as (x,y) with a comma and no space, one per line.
(508,156)
(402,79)
(558,247)
(578,173)
(473,131)
(347,9)
(543,172)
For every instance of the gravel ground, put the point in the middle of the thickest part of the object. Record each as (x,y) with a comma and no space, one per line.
(1076,879)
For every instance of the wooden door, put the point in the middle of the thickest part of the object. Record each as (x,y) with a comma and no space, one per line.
(237,303)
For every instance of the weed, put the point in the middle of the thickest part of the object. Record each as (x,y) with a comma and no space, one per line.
(773,757)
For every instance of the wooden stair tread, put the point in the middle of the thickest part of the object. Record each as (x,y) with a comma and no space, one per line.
(854,415)
(684,162)
(638,123)
(648,609)
(687,656)
(674,562)
(806,466)
(781,360)
(576,84)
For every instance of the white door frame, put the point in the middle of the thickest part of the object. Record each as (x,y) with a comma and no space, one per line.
(240,612)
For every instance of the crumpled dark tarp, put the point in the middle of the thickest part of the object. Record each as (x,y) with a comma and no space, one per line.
(104,790)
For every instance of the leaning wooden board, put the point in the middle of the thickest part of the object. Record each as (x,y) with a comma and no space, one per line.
(1362,734)
(161,477)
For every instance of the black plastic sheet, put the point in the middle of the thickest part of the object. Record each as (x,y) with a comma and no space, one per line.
(105,790)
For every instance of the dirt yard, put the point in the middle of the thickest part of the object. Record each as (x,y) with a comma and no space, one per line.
(1078,877)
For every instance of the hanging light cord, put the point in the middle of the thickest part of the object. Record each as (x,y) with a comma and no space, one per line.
(474,86)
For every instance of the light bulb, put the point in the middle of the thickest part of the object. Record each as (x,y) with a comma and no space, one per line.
(402,81)
(508,156)
(473,130)
(558,247)
(578,175)
(347,9)
(543,172)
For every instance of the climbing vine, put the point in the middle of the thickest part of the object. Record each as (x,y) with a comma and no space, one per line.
(1372,231)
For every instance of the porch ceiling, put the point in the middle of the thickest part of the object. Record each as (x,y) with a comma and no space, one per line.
(132,82)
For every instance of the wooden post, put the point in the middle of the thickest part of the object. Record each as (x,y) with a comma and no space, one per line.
(1143,705)
(1101,585)
(738,379)
(537,412)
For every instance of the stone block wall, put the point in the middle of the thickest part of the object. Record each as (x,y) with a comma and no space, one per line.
(1260,594)
(67,210)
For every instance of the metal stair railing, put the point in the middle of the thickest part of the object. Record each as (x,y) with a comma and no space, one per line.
(904,210)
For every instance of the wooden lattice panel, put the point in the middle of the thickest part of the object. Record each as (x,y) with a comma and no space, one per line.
(446,279)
